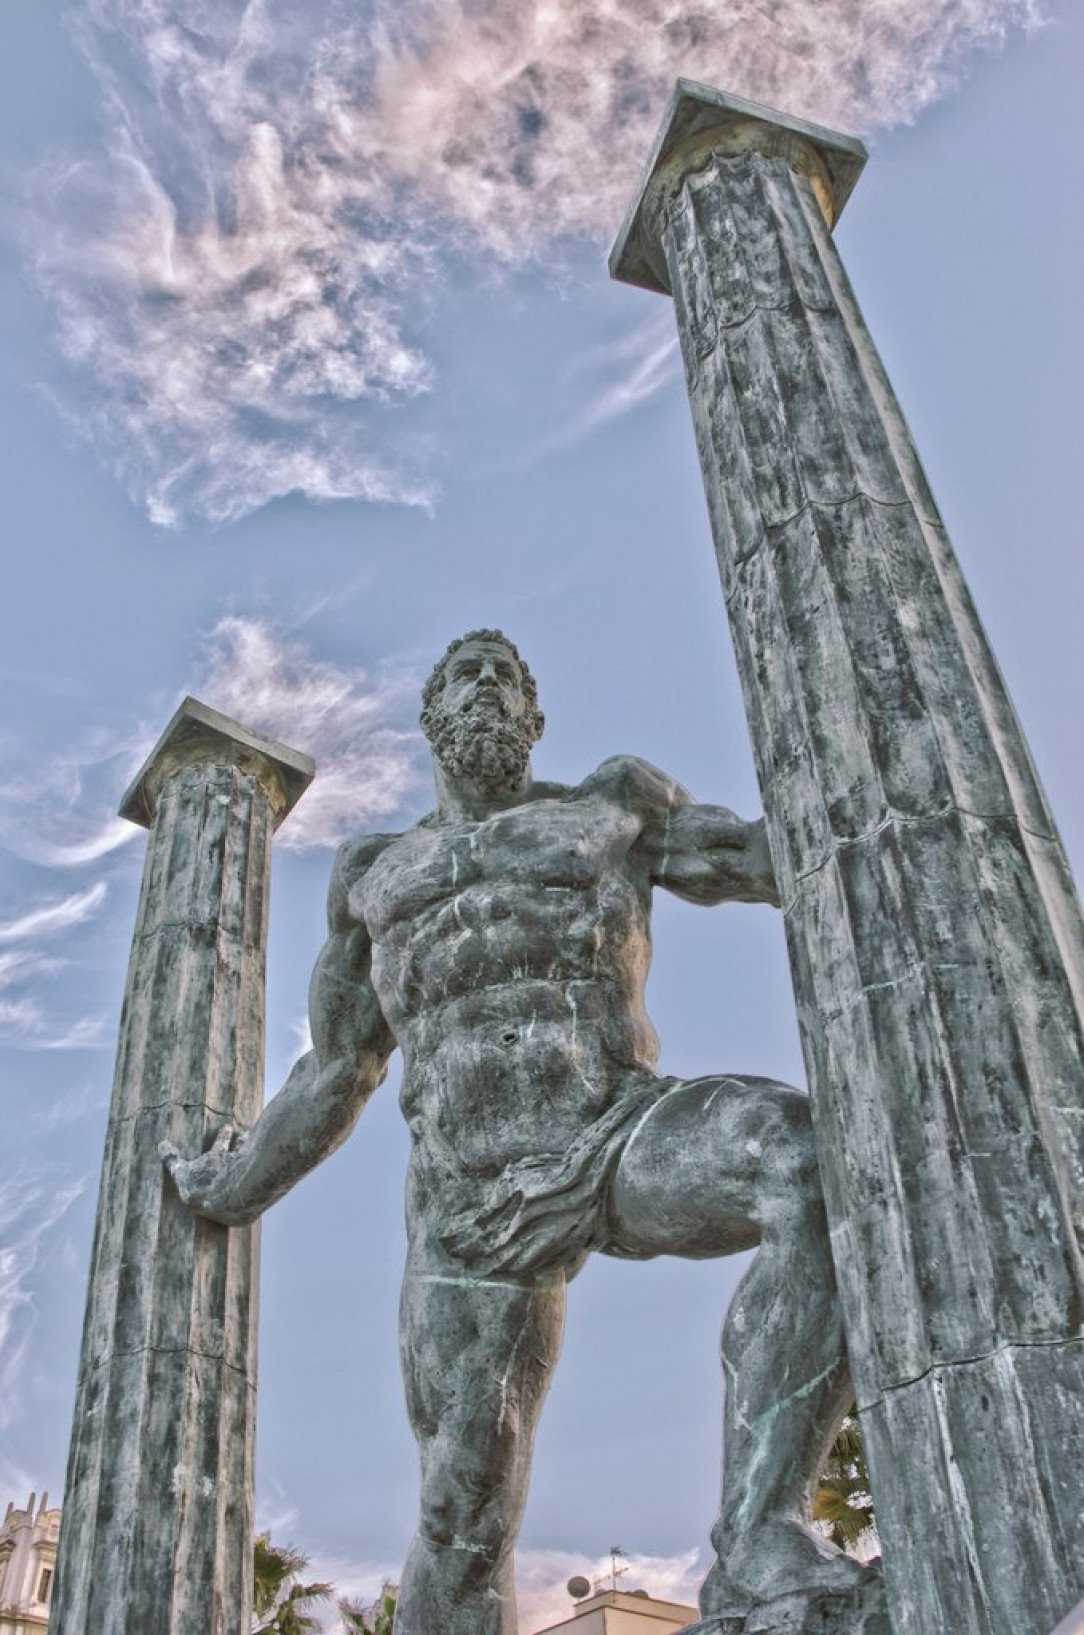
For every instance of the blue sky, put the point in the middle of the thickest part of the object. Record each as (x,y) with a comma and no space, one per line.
(310,363)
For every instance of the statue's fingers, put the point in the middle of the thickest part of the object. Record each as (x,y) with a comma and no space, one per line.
(169,1155)
(223,1140)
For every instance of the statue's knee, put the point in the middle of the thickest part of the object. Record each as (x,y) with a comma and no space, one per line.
(461,1508)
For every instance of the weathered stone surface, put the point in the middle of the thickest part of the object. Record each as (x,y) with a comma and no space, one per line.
(863,1611)
(157,1520)
(933,931)
(504,944)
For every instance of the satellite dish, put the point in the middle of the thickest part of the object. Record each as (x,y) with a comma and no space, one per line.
(579,1587)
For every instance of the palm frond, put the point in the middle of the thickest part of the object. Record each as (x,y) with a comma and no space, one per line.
(842,1503)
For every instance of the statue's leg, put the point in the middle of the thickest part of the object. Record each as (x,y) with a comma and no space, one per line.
(724,1164)
(477,1358)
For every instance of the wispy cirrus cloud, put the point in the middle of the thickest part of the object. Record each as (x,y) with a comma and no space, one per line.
(85,1033)
(97,841)
(65,1109)
(355,723)
(49,918)
(646,370)
(26,1021)
(32,1202)
(614,379)
(246,270)
(59,808)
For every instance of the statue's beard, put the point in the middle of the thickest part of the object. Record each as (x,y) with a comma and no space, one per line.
(484,745)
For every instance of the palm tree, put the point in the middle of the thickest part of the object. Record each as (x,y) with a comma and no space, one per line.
(379,1619)
(842,1503)
(281,1604)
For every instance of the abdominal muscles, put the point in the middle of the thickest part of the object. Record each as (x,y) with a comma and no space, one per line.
(521,1020)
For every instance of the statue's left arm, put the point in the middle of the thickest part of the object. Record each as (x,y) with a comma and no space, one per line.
(706,854)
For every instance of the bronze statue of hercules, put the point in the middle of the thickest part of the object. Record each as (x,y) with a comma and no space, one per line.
(503,944)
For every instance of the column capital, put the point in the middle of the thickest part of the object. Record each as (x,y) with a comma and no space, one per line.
(699,118)
(197,734)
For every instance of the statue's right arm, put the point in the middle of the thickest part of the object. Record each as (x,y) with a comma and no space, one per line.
(322,1099)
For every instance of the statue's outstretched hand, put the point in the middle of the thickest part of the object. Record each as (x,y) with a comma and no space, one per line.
(206,1184)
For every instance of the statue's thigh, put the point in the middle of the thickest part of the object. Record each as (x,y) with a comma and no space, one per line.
(477,1358)
(711,1167)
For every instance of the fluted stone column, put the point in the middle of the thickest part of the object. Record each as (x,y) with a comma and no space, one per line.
(156,1537)
(933,932)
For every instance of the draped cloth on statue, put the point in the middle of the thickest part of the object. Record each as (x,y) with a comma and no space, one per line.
(550,1209)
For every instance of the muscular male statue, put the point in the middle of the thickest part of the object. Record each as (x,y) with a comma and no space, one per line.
(503,944)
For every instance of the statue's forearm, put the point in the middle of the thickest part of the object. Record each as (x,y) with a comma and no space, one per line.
(708,855)
(311,1116)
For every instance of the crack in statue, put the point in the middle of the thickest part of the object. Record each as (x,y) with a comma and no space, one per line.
(503,944)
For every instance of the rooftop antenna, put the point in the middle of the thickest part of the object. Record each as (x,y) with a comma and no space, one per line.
(616,1572)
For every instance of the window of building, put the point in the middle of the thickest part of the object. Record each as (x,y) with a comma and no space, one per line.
(45,1583)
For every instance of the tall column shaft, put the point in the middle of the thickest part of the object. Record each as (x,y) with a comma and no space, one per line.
(933,933)
(156,1536)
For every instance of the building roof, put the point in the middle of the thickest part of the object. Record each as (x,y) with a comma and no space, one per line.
(618,1612)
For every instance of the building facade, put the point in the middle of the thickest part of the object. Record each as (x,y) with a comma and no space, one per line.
(27,1566)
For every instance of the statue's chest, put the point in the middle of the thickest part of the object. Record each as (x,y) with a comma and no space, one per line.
(531,849)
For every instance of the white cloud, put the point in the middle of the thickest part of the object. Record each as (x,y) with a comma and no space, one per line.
(302,1032)
(232,294)
(32,1202)
(16,964)
(25,1025)
(613,380)
(66,1109)
(97,843)
(530,120)
(17,1480)
(358,725)
(25,1022)
(244,272)
(351,721)
(86,1033)
(59,809)
(275,1513)
(542,1577)
(50,918)
(359,1580)
(648,371)
(19,1017)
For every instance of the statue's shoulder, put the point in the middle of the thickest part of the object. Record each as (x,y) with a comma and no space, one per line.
(353,860)
(355,857)
(635,784)
(543,790)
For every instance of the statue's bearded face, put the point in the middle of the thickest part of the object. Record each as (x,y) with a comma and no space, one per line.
(481,724)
